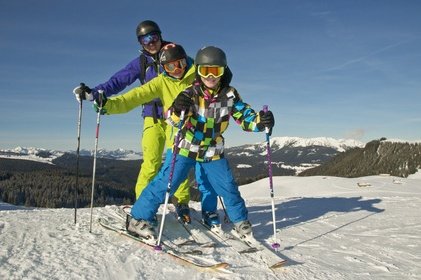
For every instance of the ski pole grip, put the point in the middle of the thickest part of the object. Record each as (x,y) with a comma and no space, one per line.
(100,96)
(266,109)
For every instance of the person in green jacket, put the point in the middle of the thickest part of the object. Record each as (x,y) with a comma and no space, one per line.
(179,72)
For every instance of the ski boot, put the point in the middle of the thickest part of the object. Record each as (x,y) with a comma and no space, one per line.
(243,231)
(183,213)
(154,222)
(210,218)
(142,229)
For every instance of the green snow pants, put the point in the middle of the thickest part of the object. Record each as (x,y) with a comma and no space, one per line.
(154,138)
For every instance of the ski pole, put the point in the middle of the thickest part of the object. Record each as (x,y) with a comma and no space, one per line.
(79,124)
(98,118)
(167,194)
(226,218)
(275,245)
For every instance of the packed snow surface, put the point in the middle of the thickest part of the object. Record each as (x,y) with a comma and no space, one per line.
(328,228)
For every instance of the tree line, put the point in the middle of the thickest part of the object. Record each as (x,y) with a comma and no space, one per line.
(56,189)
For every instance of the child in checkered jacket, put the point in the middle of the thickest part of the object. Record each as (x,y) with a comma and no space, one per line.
(207,106)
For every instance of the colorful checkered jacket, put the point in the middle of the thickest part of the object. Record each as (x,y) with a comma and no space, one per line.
(201,136)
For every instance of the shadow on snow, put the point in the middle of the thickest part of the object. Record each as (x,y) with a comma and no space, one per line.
(308,210)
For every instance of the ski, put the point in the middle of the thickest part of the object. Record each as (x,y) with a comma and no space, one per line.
(123,211)
(196,233)
(193,256)
(250,247)
(199,236)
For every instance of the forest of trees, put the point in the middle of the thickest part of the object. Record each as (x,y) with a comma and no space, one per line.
(54,189)
(377,157)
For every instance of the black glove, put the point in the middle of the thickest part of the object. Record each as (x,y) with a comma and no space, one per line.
(83,92)
(182,102)
(266,120)
(100,102)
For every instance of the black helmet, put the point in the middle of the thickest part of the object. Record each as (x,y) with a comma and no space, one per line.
(171,52)
(146,27)
(211,56)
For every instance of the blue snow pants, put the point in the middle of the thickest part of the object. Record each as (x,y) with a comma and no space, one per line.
(209,198)
(217,178)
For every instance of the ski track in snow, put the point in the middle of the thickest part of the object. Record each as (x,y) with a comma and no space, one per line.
(328,228)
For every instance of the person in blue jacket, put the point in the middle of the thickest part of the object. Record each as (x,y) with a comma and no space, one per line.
(144,68)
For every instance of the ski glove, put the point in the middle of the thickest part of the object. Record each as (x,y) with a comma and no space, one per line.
(83,92)
(266,120)
(182,102)
(100,102)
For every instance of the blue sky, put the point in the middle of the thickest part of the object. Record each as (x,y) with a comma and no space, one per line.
(341,69)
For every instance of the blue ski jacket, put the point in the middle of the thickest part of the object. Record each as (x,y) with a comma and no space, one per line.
(127,76)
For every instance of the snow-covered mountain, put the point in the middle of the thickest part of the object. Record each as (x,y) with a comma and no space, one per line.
(45,155)
(340,145)
(31,153)
(290,155)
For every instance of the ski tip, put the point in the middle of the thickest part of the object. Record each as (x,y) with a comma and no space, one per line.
(278,264)
(219,266)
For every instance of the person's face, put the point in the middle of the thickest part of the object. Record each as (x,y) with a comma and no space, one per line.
(151,43)
(178,74)
(176,69)
(210,75)
(211,81)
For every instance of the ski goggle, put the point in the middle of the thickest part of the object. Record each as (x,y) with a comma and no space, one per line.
(173,66)
(208,70)
(149,38)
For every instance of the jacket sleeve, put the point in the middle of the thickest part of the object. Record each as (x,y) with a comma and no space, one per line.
(244,115)
(134,98)
(120,80)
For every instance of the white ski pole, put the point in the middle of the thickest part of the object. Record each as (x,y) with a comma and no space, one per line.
(98,118)
(79,92)
(275,245)
(167,195)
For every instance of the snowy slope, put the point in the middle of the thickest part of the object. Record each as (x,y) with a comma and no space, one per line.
(329,228)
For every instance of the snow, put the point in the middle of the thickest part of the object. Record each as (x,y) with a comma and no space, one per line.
(244,166)
(328,228)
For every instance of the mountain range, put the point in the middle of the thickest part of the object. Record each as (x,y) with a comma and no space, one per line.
(47,178)
(289,155)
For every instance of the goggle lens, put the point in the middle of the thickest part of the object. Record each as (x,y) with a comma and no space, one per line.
(206,71)
(172,66)
(149,38)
